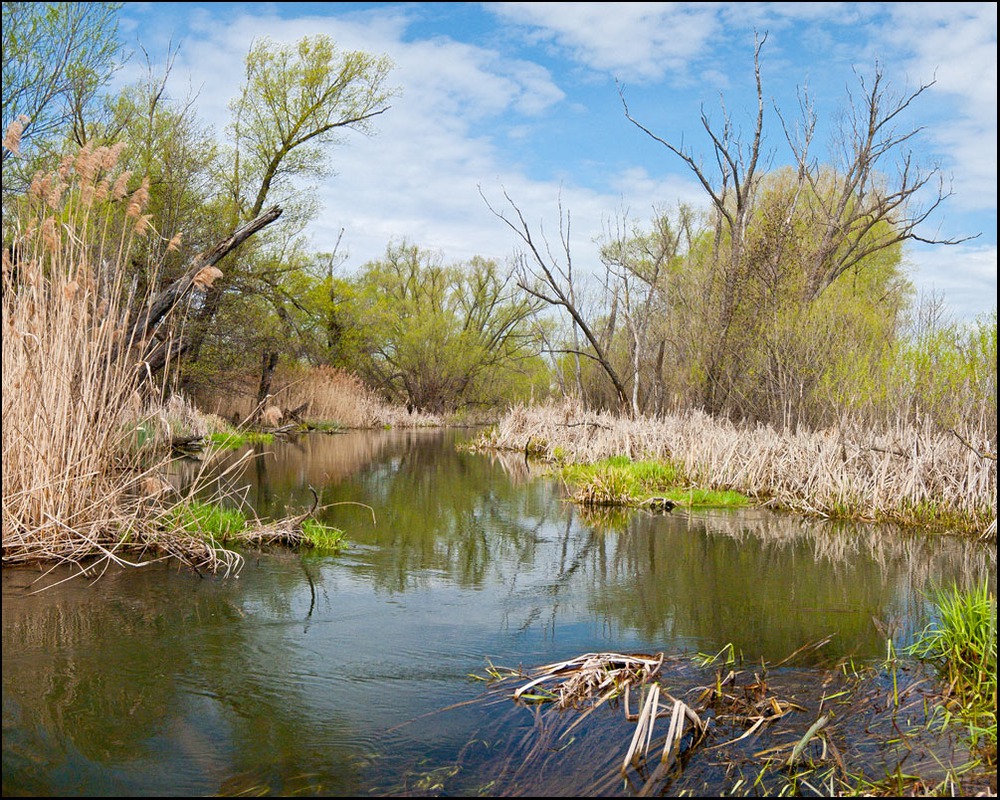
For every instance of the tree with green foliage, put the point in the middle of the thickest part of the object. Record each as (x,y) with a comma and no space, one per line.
(829,220)
(174,158)
(441,338)
(297,102)
(56,59)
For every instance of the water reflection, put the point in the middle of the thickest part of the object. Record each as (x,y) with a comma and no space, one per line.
(297,675)
(763,581)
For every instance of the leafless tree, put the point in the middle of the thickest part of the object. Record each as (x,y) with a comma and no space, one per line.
(732,194)
(859,206)
(544,276)
(636,275)
(833,217)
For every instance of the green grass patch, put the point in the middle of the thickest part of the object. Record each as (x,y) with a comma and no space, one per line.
(962,644)
(207,519)
(322,537)
(619,481)
(327,426)
(233,439)
(230,526)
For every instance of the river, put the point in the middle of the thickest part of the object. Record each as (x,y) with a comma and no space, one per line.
(363,672)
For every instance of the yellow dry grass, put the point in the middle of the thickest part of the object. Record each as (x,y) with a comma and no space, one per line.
(321,395)
(904,473)
(73,416)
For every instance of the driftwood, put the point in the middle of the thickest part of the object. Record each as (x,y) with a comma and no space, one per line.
(284,532)
(658,504)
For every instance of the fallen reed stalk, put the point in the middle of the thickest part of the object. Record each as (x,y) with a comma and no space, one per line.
(769,729)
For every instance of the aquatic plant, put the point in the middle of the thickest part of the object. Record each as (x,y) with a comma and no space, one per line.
(911,472)
(962,644)
(652,484)
(80,418)
(231,439)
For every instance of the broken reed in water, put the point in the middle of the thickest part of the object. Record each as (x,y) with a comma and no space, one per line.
(836,734)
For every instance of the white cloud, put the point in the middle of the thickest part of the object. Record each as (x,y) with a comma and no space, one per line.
(964,275)
(644,41)
(417,177)
(469,116)
(955,46)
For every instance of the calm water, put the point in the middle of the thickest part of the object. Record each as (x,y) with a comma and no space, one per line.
(350,674)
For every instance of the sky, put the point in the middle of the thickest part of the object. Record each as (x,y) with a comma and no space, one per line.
(525,101)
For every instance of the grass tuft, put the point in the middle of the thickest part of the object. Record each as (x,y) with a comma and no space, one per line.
(962,644)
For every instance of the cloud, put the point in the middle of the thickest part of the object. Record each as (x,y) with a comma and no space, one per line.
(533,111)
(642,41)
(965,276)
(417,177)
(955,46)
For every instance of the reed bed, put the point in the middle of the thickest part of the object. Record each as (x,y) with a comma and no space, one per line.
(912,474)
(317,396)
(76,427)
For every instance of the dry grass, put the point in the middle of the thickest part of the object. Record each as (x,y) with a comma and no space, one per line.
(75,471)
(746,729)
(916,475)
(317,394)
(320,396)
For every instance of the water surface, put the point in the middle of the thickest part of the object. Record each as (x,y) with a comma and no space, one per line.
(350,674)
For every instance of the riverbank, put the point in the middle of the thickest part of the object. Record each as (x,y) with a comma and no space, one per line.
(906,475)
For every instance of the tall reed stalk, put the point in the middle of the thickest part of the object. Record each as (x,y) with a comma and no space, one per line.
(909,473)
(73,467)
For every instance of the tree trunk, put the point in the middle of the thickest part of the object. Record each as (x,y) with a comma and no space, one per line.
(199,274)
(268,361)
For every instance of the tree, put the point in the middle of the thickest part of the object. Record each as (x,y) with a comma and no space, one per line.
(638,267)
(861,208)
(56,58)
(731,194)
(296,103)
(176,157)
(773,254)
(543,276)
(440,338)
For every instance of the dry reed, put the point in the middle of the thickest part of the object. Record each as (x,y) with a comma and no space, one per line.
(74,469)
(908,474)
(319,396)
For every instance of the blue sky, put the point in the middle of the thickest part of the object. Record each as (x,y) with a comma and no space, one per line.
(524,98)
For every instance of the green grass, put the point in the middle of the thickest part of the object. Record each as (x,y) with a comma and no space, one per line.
(207,518)
(619,481)
(234,439)
(327,426)
(322,537)
(227,525)
(962,644)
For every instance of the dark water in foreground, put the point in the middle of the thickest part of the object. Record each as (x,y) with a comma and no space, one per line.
(350,674)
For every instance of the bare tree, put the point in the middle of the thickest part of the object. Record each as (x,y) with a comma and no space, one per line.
(828,219)
(859,208)
(732,194)
(637,275)
(543,276)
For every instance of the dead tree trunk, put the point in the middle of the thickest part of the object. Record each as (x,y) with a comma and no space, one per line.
(199,275)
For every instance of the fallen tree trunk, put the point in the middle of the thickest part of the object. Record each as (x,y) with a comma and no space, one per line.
(201,273)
